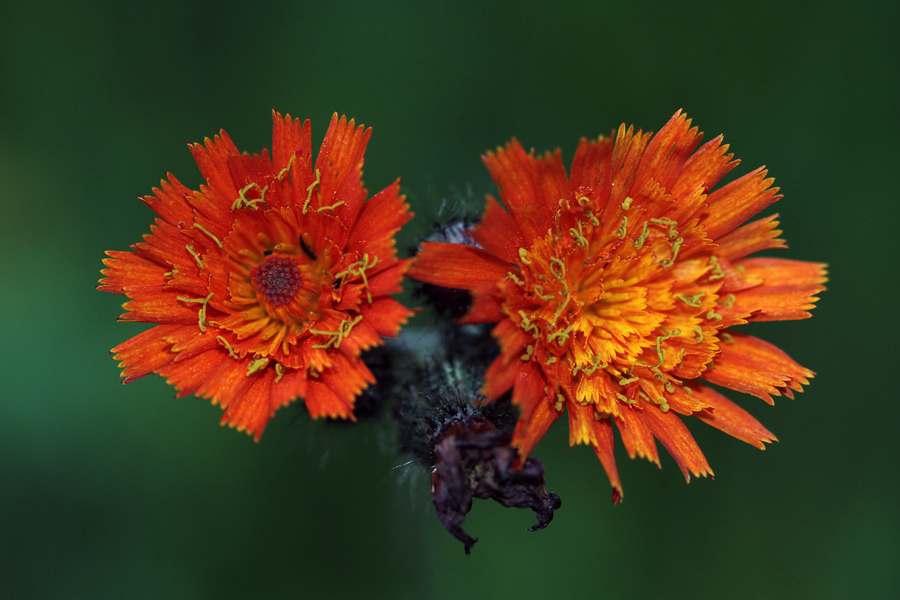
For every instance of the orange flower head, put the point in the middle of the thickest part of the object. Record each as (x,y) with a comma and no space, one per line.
(268,282)
(615,290)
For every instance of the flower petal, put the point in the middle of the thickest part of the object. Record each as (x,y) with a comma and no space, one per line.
(340,162)
(727,416)
(753,366)
(788,289)
(734,203)
(636,436)
(668,428)
(457,266)
(752,237)
(498,233)
(514,172)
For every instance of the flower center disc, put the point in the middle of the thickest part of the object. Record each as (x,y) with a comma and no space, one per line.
(278,279)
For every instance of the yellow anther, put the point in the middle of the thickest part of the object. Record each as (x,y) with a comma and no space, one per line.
(620,232)
(727,338)
(228,347)
(717,272)
(627,203)
(539,292)
(663,405)
(257,365)
(529,350)
(584,201)
(560,402)
(279,372)
(729,301)
(201,315)
(523,256)
(699,333)
(171,273)
(207,232)
(713,316)
(551,360)
(639,241)
(309,190)
(196,256)
(244,202)
(594,220)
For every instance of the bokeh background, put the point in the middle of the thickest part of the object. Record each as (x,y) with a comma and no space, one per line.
(126,492)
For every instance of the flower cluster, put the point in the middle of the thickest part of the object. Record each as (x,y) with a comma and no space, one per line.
(268,282)
(614,290)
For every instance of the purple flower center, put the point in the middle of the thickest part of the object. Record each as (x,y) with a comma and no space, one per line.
(278,279)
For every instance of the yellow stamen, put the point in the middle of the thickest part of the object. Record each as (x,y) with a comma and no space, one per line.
(699,333)
(528,326)
(727,338)
(696,300)
(627,203)
(528,352)
(717,272)
(639,241)
(562,335)
(336,336)
(676,246)
(512,276)
(331,208)
(196,256)
(201,315)
(729,301)
(595,364)
(228,347)
(286,171)
(523,256)
(358,269)
(578,236)
(279,370)
(244,202)
(207,232)
(309,190)
(257,365)
(620,232)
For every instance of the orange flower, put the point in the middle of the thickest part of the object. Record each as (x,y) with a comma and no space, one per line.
(268,282)
(615,290)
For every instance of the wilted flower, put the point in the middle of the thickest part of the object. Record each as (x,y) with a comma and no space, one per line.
(268,282)
(615,290)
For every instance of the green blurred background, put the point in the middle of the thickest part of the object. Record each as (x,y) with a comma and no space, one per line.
(125,492)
